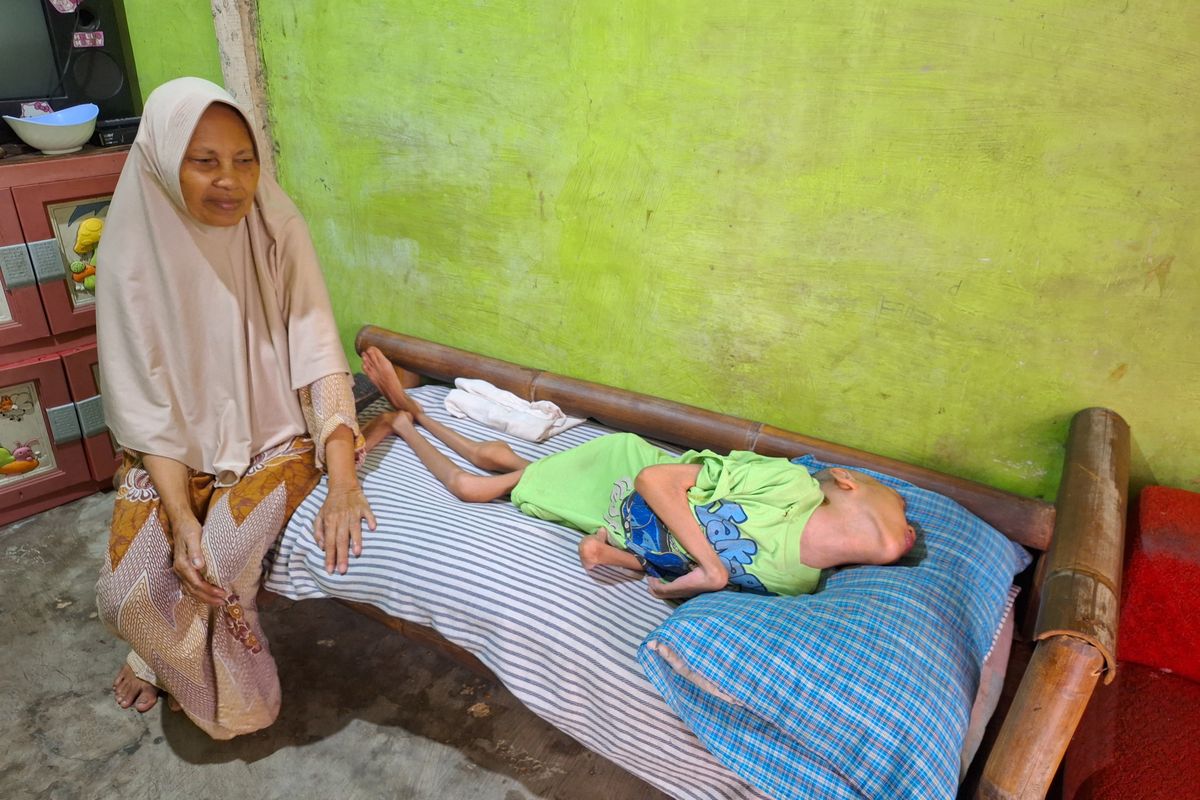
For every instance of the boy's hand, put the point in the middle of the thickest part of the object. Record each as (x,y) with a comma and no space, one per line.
(698,581)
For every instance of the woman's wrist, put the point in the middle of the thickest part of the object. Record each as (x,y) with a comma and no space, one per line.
(170,479)
(339,460)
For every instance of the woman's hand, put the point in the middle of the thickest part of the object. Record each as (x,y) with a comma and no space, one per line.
(170,479)
(189,563)
(338,527)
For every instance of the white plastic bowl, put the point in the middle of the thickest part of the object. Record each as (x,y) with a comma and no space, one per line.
(59,132)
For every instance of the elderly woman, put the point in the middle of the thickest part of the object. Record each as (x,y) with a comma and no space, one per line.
(225,383)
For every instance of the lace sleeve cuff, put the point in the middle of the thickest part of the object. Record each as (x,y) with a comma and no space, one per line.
(328,403)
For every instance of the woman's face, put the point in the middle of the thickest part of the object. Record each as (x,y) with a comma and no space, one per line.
(219,172)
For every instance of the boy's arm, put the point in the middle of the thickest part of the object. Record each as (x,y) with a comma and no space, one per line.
(664,487)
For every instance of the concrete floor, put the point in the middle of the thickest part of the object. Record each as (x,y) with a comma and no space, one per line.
(366,714)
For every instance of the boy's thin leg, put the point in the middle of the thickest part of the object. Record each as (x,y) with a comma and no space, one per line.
(462,484)
(595,550)
(493,456)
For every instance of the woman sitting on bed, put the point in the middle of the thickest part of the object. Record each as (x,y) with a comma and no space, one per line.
(696,523)
(226,384)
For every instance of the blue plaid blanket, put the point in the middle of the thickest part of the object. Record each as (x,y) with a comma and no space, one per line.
(862,690)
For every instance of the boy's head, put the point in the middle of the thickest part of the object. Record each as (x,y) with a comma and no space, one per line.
(870,515)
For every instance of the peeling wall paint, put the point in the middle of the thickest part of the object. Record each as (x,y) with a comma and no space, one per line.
(933,231)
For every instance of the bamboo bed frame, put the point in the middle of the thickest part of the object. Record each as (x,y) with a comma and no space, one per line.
(1069,632)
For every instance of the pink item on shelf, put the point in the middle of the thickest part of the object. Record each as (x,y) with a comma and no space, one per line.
(35,109)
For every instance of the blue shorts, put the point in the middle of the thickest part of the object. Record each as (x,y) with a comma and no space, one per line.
(649,540)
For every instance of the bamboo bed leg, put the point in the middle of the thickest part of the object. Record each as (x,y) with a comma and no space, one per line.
(1048,705)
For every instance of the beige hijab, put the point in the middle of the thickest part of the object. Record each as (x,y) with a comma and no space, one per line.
(205,333)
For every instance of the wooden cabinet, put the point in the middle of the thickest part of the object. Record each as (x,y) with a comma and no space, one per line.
(54,446)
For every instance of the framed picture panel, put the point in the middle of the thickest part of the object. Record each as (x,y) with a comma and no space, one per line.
(42,457)
(63,222)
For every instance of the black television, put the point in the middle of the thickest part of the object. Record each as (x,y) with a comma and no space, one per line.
(64,53)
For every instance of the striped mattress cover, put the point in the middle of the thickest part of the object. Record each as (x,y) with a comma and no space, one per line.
(510,589)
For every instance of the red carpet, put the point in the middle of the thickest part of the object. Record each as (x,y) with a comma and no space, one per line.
(1140,736)
(1138,740)
(1160,606)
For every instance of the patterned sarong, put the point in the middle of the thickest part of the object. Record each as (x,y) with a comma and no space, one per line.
(214,661)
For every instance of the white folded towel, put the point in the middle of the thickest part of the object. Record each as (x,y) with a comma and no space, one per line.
(504,411)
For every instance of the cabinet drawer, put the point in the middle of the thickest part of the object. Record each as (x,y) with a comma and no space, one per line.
(83,378)
(59,222)
(42,457)
(21,315)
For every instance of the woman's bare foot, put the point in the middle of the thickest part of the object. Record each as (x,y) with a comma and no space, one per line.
(383,374)
(130,690)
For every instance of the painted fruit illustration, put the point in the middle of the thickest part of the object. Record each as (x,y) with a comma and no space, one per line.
(89,235)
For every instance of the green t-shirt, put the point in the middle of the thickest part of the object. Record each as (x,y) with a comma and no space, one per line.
(752,508)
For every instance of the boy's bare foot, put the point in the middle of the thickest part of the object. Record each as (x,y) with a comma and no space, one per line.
(383,374)
(130,690)
(595,550)
(592,547)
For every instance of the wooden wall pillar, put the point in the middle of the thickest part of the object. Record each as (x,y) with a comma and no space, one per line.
(236,23)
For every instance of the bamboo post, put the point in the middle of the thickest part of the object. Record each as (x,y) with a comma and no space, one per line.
(1052,697)
(1080,583)
(1077,596)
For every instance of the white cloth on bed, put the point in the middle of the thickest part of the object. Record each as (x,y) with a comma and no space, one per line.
(563,642)
(505,412)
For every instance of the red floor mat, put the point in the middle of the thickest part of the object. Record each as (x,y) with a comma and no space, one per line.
(1138,740)
(1160,606)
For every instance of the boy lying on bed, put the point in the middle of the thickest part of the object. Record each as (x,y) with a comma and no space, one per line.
(695,523)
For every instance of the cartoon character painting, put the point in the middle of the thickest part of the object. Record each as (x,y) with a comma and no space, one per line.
(15,406)
(21,459)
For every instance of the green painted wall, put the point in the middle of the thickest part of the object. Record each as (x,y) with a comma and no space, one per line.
(930,229)
(172,39)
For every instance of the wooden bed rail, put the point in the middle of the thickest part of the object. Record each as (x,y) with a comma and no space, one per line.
(1027,521)
(1077,599)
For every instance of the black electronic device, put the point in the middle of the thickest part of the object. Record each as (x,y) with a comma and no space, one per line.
(65,58)
(365,392)
(112,132)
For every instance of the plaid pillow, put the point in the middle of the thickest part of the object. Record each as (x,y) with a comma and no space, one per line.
(863,689)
